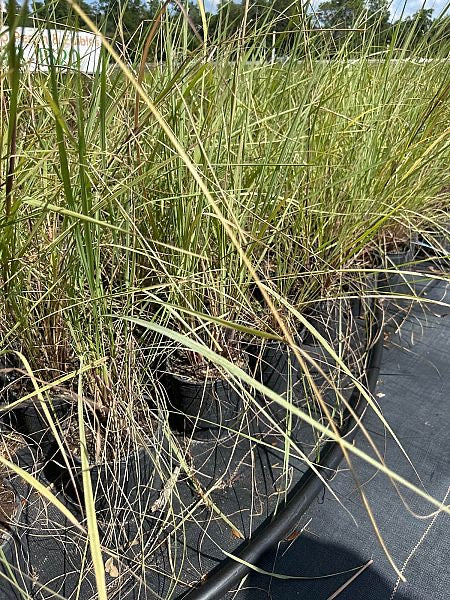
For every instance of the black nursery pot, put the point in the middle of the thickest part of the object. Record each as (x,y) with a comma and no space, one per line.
(32,423)
(362,291)
(202,410)
(122,488)
(27,417)
(331,319)
(396,282)
(7,395)
(435,248)
(274,364)
(320,317)
(13,564)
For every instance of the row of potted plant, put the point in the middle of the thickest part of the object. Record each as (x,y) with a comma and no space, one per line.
(202,403)
(122,204)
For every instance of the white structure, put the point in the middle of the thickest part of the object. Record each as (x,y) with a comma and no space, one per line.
(64,48)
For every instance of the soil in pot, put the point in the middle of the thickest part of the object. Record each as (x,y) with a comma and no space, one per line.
(397,240)
(203,403)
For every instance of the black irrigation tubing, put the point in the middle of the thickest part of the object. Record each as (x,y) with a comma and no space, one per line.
(231,571)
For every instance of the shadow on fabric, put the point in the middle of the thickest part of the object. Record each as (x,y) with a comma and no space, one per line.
(308,557)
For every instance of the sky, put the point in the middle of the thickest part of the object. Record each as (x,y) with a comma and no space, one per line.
(412,6)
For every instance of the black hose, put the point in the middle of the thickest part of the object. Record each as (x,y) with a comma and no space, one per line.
(305,491)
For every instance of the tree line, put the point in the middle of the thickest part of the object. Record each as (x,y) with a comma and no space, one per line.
(334,24)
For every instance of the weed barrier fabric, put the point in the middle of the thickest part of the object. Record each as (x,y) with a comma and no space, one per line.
(413,393)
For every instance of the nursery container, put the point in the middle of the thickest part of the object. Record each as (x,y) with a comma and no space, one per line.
(394,281)
(122,488)
(321,317)
(363,290)
(13,564)
(344,325)
(275,365)
(7,395)
(204,409)
(27,417)
(32,423)
(437,249)
(332,318)
(8,417)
